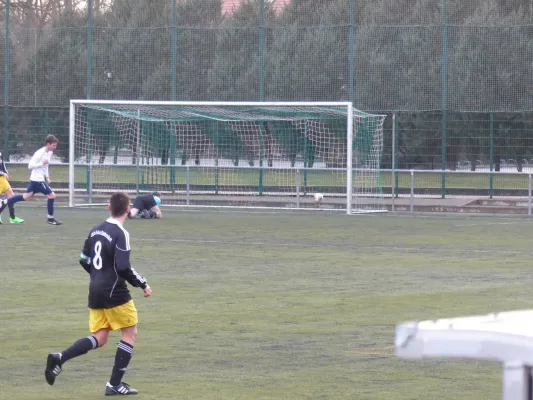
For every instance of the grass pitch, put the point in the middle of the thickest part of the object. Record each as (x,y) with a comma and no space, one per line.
(262,305)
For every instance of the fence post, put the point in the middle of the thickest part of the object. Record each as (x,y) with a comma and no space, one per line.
(90,176)
(297,188)
(396,141)
(187,182)
(139,152)
(528,194)
(261,156)
(261,82)
(89,48)
(217,168)
(89,83)
(412,197)
(351,52)
(6,82)
(491,154)
(173,95)
(393,161)
(444,83)
(174,51)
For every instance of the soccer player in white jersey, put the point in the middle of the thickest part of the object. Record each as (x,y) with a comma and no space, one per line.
(39,179)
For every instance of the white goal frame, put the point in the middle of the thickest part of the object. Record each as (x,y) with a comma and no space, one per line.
(349,137)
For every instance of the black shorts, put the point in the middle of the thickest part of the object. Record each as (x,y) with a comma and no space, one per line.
(144,202)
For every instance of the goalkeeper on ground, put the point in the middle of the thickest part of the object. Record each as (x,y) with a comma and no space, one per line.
(146,206)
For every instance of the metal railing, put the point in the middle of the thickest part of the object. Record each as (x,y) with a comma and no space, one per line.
(504,187)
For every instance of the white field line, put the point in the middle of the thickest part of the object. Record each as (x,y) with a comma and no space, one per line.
(494,223)
(215,209)
(236,242)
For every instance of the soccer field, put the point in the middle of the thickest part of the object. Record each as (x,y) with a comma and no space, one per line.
(262,305)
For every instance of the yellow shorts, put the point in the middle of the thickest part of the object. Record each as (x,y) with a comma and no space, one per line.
(4,185)
(118,317)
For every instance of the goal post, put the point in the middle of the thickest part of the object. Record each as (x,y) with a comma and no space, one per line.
(234,154)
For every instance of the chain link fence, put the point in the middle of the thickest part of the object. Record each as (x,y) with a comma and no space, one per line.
(456,75)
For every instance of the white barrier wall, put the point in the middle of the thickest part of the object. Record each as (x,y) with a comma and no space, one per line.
(505,337)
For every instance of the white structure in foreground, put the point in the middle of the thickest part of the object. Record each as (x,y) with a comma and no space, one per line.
(505,337)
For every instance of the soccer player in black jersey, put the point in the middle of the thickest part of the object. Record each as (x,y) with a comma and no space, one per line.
(147,205)
(106,257)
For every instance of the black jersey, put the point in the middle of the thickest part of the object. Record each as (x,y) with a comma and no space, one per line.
(3,168)
(106,257)
(144,202)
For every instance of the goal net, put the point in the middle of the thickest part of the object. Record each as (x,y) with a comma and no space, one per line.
(277,154)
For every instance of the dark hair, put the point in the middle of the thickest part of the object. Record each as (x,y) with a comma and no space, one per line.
(156,194)
(51,139)
(119,202)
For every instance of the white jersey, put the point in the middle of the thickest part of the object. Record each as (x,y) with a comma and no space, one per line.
(39,171)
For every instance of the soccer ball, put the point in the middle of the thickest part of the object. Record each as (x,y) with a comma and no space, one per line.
(318,197)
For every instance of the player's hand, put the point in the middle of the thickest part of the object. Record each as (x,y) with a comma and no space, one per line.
(45,161)
(147,291)
(48,180)
(6,176)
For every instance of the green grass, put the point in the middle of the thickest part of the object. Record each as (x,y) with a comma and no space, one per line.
(262,305)
(287,177)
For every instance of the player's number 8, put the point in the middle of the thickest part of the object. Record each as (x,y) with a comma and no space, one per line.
(97,260)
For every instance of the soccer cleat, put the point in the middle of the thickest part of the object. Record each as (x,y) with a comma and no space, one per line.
(123,389)
(53,367)
(0,220)
(16,220)
(53,221)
